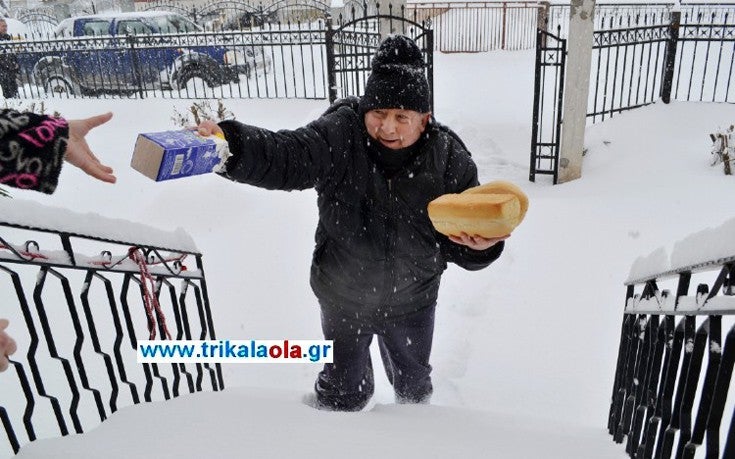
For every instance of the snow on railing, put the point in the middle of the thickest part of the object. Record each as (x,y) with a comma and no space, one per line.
(78,289)
(662,368)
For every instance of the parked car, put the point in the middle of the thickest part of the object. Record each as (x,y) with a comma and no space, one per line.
(127,51)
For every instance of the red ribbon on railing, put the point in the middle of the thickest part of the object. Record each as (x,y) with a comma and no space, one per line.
(109,262)
(149,298)
(30,255)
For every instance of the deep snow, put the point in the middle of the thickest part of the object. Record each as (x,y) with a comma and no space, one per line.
(524,352)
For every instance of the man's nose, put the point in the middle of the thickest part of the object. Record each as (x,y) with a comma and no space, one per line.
(388,126)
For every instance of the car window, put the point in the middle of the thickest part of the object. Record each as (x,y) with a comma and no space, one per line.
(174,24)
(132,27)
(65,27)
(96,27)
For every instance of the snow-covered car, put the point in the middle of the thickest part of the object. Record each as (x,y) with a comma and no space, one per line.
(128,51)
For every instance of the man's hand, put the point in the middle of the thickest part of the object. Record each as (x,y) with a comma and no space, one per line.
(7,345)
(477,242)
(209,127)
(78,152)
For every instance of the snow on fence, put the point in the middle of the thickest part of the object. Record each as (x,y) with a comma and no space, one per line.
(480,26)
(279,61)
(75,287)
(632,67)
(629,65)
(673,390)
(610,16)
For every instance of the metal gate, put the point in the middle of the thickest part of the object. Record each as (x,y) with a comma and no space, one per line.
(548,92)
(351,46)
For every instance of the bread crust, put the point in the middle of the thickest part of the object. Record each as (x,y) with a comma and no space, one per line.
(491,210)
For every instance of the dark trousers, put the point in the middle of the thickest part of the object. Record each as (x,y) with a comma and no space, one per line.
(405,347)
(8,84)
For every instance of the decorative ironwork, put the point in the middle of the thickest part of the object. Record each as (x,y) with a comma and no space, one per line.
(635,66)
(351,46)
(281,61)
(82,315)
(661,368)
(37,15)
(548,96)
(634,36)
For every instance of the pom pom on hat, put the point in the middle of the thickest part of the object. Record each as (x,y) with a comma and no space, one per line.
(397,79)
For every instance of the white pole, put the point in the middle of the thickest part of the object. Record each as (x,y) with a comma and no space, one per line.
(576,90)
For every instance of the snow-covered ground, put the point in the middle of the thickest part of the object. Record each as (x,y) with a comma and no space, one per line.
(524,352)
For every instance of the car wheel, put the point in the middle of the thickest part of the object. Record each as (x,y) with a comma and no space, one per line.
(192,73)
(58,84)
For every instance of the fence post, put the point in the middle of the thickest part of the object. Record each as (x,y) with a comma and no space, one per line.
(542,16)
(670,56)
(581,37)
(505,26)
(136,64)
(536,101)
(331,64)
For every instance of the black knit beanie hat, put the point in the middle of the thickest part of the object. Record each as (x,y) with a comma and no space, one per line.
(397,79)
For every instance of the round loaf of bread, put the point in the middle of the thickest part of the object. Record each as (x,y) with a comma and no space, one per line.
(491,210)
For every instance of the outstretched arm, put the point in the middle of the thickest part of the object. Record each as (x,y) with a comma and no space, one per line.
(43,142)
(78,152)
(310,156)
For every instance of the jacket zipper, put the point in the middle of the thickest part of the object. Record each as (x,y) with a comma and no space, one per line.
(390,240)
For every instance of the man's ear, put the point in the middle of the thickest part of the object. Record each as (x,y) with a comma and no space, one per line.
(425,120)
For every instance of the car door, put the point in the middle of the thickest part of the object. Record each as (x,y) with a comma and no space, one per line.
(147,61)
(88,58)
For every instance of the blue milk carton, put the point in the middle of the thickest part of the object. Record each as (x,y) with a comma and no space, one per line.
(174,154)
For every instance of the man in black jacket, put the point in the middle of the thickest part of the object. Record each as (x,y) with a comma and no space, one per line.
(375,162)
(8,65)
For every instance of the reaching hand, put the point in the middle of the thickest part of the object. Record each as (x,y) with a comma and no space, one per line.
(7,345)
(209,127)
(477,242)
(78,152)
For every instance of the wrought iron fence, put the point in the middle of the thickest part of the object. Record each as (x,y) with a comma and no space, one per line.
(459,26)
(352,42)
(280,61)
(673,370)
(480,26)
(636,66)
(315,60)
(627,69)
(76,301)
(706,59)
(620,15)
(685,61)
(548,96)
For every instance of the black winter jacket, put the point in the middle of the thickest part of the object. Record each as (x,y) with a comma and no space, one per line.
(376,252)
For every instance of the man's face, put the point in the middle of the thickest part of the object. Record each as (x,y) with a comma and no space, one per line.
(3,26)
(396,128)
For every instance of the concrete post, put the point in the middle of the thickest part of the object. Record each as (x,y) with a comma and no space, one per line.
(576,90)
(542,16)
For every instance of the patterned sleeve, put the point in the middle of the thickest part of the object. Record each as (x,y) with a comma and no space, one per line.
(32,149)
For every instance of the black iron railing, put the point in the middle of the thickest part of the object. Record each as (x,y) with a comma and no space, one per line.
(323,58)
(632,66)
(353,40)
(76,302)
(548,97)
(635,66)
(674,370)
(279,61)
